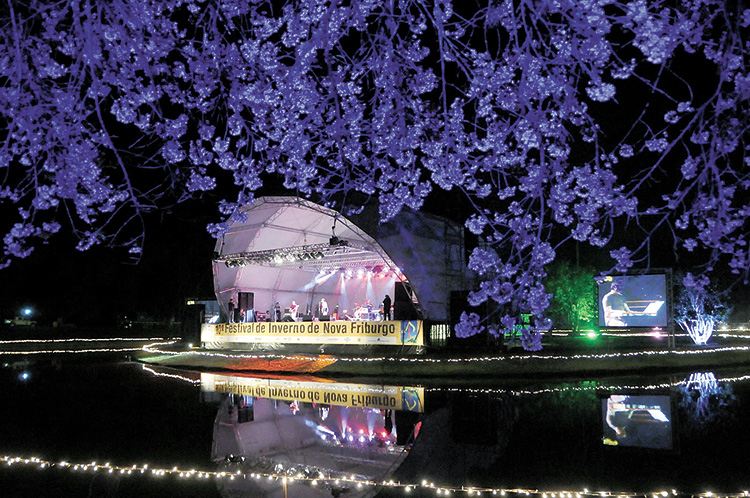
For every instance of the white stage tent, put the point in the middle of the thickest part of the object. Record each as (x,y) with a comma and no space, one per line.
(290,249)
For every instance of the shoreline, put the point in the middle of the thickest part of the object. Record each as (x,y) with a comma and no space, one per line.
(558,360)
(509,366)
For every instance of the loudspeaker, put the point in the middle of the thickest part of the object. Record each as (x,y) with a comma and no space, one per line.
(401,292)
(191,323)
(403,306)
(325,318)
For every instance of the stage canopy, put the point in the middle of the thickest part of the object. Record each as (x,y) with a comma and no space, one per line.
(290,249)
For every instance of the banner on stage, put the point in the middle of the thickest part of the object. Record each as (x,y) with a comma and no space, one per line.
(396,332)
(340,394)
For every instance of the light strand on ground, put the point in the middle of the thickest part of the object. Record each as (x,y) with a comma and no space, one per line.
(342,482)
(152,348)
(84,339)
(628,333)
(80,351)
(71,351)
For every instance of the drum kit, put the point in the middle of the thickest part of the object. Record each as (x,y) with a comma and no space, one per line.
(365,313)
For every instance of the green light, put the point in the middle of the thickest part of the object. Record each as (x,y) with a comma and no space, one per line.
(592,335)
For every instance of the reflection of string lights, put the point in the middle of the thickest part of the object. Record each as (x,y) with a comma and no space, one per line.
(171,376)
(340,481)
(79,351)
(617,387)
(526,392)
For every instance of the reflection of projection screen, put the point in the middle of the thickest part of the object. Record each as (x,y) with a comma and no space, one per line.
(633,301)
(637,421)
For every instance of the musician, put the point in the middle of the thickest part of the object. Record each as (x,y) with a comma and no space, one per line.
(323,307)
(615,307)
(293,309)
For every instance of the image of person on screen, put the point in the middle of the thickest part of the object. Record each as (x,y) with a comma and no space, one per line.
(642,421)
(617,414)
(615,307)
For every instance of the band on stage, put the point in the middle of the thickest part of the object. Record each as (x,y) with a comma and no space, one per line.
(365,311)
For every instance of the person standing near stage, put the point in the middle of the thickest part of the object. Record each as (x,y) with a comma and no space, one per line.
(323,307)
(230,310)
(387,308)
(277,312)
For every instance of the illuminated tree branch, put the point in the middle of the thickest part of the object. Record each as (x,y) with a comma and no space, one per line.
(556,121)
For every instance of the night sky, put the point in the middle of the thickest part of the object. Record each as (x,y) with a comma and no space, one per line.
(99,286)
(96,286)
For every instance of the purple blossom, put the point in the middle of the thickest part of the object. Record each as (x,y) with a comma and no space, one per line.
(622,257)
(390,101)
(469,325)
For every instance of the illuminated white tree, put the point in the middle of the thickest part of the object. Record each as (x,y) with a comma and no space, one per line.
(698,308)
(557,121)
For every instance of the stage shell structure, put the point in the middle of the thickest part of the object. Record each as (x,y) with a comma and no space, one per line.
(291,251)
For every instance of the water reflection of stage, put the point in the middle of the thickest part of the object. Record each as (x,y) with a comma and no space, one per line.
(321,441)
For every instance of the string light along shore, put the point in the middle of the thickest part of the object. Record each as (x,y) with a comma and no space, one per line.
(294,476)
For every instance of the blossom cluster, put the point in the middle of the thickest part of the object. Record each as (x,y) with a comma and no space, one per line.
(556,121)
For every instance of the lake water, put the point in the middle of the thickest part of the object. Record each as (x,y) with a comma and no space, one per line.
(125,429)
